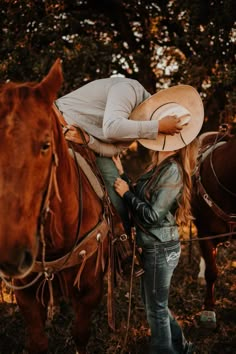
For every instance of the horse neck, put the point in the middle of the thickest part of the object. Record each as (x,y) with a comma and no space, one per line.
(223,164)
(61,226)
(75,199)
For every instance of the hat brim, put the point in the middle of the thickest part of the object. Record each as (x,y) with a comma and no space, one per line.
(183,95)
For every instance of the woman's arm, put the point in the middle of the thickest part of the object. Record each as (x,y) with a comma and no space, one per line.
(167,190)
(117,161)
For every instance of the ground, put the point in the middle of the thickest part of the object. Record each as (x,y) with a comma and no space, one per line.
(186,298)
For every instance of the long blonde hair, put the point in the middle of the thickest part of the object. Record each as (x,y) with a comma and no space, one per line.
(187,158)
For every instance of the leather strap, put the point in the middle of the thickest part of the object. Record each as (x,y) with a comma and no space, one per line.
(71,133)
(210,202)
(89,245)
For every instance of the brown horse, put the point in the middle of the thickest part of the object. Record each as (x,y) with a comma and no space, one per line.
(53,234)
(214,205)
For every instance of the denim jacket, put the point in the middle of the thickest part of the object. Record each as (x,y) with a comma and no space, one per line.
(155,211)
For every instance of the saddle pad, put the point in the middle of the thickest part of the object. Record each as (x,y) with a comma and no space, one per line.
(89,173)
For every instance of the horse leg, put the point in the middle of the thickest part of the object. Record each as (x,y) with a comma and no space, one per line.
(209,254)
(35,316)
(84,307)
(201,274)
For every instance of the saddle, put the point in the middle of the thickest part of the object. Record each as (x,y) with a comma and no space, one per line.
(213,138)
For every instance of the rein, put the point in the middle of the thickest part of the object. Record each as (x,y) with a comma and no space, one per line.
(226,234)
(45,209)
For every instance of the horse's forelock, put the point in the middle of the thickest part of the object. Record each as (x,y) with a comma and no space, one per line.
(11,96)
(12,93)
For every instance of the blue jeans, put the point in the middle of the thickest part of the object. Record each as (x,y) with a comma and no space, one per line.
(110,174)
(159,262)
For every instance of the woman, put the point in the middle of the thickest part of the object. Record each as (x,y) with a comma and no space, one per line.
(159,203)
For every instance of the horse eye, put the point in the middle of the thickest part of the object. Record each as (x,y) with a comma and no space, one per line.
(45,146)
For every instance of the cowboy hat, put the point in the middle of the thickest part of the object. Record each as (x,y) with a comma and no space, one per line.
(182,101)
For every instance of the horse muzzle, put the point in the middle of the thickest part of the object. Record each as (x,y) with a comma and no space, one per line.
(17,265)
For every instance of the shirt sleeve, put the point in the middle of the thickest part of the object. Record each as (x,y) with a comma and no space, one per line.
(125,177)
(121,101)
(152,212)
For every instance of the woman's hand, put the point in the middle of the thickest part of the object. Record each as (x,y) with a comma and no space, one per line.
(121,187)
(117,161)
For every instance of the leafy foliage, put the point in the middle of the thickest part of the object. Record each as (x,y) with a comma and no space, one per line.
(158,43)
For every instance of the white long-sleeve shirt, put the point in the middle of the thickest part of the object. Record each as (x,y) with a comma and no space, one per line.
(102,108)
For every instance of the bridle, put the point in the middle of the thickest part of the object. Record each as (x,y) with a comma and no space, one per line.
(44,210)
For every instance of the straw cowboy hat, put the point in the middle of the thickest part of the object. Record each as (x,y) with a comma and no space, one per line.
(182,101)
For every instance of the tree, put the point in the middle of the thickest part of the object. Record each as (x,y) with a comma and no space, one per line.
(159,43)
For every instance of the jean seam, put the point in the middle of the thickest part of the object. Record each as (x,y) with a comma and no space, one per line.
(154,273)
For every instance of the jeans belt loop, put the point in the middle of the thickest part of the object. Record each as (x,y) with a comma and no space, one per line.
(168,234)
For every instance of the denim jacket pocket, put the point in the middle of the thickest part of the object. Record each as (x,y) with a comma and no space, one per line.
(172,254)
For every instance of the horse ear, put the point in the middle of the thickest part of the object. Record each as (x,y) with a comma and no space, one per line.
(51,83)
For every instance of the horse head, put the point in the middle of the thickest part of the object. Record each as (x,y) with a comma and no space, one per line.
(26,163)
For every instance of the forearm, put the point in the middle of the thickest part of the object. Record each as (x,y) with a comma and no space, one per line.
(103,149)
(142,210)
(120,129)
